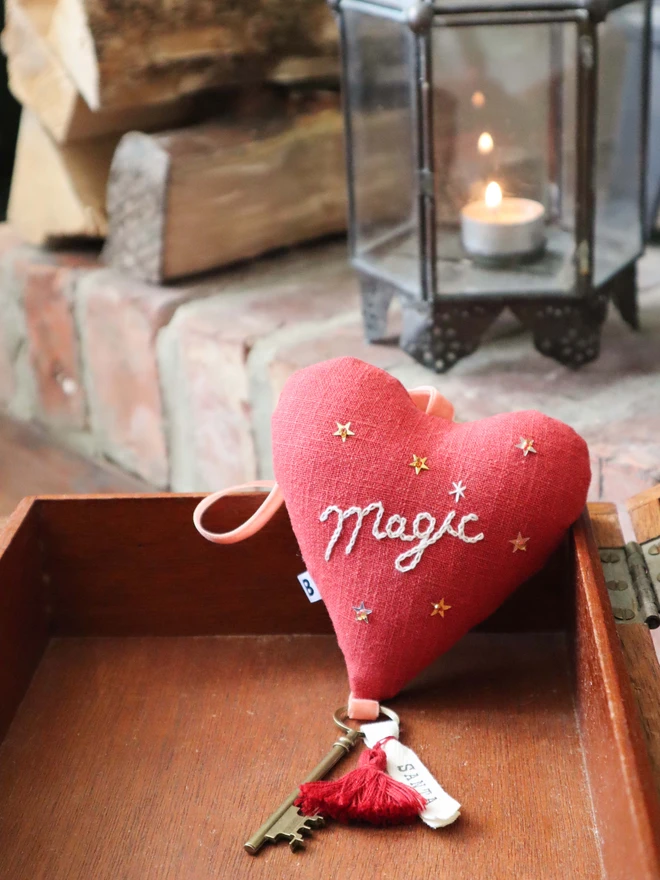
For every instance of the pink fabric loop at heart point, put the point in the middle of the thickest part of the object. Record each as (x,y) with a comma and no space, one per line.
(363,710)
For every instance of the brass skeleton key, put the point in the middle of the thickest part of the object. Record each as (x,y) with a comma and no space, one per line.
(287,822)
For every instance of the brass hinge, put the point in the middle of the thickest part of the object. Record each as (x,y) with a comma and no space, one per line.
(631,582)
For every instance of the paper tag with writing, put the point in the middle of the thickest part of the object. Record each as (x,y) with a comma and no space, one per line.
(403,765)
(374,733)
(310,588)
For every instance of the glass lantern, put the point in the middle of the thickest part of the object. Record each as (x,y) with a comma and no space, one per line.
(496,158)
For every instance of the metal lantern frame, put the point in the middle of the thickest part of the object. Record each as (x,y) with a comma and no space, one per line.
(440,328)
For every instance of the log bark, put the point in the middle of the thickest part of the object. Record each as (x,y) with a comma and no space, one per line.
(40,82)
(137,52)
(190,200)
(58,191)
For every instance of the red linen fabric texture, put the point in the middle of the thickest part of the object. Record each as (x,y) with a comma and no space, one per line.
(539,496)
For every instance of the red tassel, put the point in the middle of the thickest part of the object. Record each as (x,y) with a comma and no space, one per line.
(366,794)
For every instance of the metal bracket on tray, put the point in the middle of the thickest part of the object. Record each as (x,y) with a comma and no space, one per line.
(633,583)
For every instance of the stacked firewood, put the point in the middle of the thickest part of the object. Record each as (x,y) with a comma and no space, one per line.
(189,134)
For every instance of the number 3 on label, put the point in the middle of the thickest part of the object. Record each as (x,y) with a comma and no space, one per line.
(310,588)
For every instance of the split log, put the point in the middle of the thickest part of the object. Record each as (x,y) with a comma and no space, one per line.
(321,72)
(39,81)
(124,53)
(58,191)
(195,199)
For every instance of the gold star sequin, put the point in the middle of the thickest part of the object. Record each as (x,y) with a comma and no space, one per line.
(343,431)
(526,445)
(519,543)
(439,608)
(419,464)
(361,612)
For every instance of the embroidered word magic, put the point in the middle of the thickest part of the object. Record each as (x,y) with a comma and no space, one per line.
(423,530)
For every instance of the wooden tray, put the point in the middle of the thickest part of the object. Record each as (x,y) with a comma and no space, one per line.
(159,696)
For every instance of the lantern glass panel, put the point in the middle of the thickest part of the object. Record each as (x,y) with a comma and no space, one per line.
(504,113)
(619,132)
(379,82)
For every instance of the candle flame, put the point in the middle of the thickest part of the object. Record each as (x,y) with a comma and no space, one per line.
(493,194)
(485,143)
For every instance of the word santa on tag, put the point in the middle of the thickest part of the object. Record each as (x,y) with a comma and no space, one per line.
(403,765)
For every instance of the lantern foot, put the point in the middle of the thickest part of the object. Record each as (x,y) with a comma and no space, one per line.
(623,290)
(568,332)
(440,334)
(376,297)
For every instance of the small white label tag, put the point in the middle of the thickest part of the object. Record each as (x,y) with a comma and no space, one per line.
(309,587)
(373,733)
(403,765)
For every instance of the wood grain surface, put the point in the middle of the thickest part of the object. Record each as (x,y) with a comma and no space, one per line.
(157,758)
(75,177)
(133,756)
(190,200)
(644,671)
(134,565)
(124,54)
(605,523)
(639,653)
(39,81)
(23,608)
(623,789)
(644,510)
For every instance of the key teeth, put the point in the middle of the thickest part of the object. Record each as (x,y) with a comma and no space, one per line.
(296,842)
(307,825)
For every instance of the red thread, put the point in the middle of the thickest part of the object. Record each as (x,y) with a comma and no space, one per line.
(366,794)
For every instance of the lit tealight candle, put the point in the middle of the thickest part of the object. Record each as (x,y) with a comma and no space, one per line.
(504,229)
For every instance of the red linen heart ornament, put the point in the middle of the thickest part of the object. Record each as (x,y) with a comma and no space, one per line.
(413,527)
